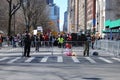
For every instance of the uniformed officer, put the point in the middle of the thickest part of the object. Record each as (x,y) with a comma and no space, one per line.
(86,45)
(27,44)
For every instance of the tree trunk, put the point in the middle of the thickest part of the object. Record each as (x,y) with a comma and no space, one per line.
(9,25)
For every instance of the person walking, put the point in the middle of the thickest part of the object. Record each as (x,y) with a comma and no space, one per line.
(27,44)
(37,42)
(92,41)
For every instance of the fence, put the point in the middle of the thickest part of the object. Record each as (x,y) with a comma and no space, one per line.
(109,46)
(42,47)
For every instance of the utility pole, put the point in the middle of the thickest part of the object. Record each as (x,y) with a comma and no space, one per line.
(94,18)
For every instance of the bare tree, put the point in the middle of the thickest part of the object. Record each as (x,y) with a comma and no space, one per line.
(34,11)
(13,7)
(3,16)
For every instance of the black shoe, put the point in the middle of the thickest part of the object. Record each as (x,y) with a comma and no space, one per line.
(23,56)
(28,56)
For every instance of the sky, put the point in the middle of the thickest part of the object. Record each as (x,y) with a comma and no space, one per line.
(63,7)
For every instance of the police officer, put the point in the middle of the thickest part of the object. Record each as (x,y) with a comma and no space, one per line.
(86,45)
(27,44)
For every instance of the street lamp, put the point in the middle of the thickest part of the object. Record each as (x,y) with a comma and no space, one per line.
(119,34)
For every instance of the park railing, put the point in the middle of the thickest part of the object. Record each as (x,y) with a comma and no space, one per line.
(109,46)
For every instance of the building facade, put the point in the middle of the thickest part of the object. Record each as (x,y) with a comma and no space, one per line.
(49,2)
(54,16)
(81,15)
(108,18)
(65,25)
(112,19)
(99,17)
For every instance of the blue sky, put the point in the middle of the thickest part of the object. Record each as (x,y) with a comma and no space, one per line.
(63,7)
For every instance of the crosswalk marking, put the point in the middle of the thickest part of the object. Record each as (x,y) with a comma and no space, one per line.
(75,59)
(117,59)
(13,60)
(90,59)
(4,58)
(44,59)
(29,59)
(59,59)
(106,60)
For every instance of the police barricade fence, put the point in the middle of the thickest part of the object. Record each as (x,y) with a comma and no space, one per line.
(55,47)
(109,46)
(46,46)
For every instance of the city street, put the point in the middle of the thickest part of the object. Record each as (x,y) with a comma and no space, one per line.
(59,40)
(60,72)
(57,66)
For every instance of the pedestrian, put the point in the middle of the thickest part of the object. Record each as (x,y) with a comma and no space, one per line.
(86,45)
(27,44)
(60,41)
(1,40)
(37,42)
(92,41)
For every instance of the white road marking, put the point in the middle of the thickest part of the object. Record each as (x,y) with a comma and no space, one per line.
(90,60)
(106,60)
(75,59)
(4,58)
(59,59)
(29,59)
(117,59)
(13,60)
(44,59)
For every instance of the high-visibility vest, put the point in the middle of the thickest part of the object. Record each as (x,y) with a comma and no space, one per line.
(60,40)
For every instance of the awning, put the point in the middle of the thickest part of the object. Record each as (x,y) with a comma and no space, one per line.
(115,24)
(108,31)
(112,24)
(107,23)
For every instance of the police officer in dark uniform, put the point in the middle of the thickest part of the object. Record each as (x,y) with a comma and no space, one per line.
(86,45)
(27,44)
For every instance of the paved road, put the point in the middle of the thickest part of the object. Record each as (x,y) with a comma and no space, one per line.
(44,66)
(13,55)
(59,72)
(59,60)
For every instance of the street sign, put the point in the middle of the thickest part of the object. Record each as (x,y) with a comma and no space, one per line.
(39,28)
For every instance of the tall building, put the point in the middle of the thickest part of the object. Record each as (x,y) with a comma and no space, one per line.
(81,15)
(91,20)
(108,18)
(72,16)
(100,17)
(49,2)
(65,25)
(54,16)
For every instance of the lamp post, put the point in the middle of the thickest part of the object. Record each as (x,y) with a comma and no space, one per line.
(119,34)
(111,34)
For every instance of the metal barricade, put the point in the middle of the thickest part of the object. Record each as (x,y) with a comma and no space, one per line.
(109,46)
(45,47)
(54,49)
